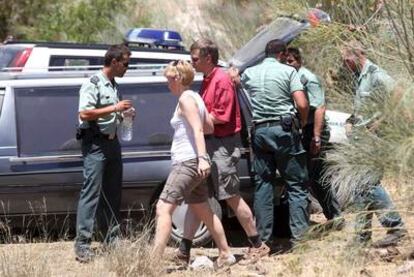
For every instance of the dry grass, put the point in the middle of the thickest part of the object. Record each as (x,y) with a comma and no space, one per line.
(327,254)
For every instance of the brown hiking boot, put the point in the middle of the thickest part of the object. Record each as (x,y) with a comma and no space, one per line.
(254,254)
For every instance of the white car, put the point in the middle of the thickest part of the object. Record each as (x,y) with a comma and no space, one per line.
(38,57)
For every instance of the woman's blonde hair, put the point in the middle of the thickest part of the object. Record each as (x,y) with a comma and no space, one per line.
(183,69)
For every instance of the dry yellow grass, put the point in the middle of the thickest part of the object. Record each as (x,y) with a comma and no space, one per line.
(328,255)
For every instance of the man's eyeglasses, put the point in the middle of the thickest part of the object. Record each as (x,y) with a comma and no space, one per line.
(125,64)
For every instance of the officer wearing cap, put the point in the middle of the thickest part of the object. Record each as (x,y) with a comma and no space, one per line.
(100,115)
(371,82)
(274,89)
(315,137)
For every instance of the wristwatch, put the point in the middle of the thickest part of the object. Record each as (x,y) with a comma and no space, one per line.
(205,157)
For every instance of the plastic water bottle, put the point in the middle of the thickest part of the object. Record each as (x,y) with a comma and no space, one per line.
(127,124)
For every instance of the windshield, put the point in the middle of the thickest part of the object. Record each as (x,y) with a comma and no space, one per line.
(7,55)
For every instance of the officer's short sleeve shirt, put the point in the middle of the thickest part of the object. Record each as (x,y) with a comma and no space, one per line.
(99,92)
(270,86)
(313,87)
(372,82)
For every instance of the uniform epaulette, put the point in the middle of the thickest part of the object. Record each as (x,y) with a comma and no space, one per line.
(372,68)
(94,80)
(303,80)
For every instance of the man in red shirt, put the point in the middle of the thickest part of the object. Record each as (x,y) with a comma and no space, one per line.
(219,95)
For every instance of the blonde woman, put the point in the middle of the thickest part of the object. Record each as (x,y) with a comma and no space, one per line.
(190,164)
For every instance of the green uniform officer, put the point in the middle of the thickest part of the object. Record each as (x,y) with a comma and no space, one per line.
(315,136)
(274,89)
(371,82)
(100,115)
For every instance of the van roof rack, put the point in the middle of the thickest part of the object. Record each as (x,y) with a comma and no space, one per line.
(132,47)
(79,71)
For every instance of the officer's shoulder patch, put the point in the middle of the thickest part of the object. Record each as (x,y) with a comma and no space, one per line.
(94,80)
(372,68)
(303,79)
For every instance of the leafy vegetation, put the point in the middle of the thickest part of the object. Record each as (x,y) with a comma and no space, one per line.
(65,20)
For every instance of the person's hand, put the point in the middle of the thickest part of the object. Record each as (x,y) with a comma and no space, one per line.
(234,74)
(123,105)
(348,130)
(373,127)
(315,147)
(203,168)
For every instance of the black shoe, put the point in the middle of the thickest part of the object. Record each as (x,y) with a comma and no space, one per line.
(180,258)
(84,254)
(391,239)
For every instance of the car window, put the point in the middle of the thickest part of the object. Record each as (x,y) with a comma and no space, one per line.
(47,118)
(149,61)
(7,54)
(74,61)
(154,105)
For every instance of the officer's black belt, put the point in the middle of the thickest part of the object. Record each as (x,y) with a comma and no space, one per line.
(266,124)
(95,134)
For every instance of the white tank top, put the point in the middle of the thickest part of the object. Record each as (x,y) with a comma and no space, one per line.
(183,145)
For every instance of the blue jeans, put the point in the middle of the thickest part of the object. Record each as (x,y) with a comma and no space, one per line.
(376,199)
(100,196)
(274,149)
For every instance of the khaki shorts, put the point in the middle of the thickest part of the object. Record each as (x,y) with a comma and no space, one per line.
(225,155)
(184,184)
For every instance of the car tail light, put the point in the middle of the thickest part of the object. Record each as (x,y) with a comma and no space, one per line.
(316,16)
(20,59)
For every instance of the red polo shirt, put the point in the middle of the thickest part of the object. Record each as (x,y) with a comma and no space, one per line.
(219,95)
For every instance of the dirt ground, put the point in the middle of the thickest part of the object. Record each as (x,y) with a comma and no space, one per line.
(325,254)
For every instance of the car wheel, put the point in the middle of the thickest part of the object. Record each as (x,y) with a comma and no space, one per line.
(180,216)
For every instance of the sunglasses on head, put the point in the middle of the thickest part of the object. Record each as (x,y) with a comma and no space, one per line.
(176,62)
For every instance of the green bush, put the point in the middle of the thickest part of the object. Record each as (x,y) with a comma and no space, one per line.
(83,21)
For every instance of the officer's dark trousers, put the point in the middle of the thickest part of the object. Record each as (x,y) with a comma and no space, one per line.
(274,149)
(100,197)
(376,199)
(320,189)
